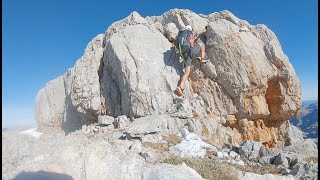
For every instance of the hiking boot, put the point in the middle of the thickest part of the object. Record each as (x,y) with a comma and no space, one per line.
(203,60)
(180,91)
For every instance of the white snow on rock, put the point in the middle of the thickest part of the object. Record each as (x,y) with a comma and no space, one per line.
(32,132)
(188,135)
(222,154)
(191,146)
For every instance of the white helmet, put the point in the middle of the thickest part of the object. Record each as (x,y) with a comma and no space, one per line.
(188,27)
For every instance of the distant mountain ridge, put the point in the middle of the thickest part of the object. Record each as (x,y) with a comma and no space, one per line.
(306,103)
(313,106)
(307,119)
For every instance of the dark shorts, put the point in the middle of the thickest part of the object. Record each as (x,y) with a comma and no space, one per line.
(194,51)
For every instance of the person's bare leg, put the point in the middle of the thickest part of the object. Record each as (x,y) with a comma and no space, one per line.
(202,48)
(185,76)
(202,52)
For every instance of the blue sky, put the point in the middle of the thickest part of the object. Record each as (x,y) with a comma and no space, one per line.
(42,39)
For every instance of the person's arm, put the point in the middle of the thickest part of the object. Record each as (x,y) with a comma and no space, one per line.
(202,31)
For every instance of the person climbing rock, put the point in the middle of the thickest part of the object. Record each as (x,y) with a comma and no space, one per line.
(189,49)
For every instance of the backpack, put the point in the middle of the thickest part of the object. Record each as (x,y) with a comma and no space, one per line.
(183,41)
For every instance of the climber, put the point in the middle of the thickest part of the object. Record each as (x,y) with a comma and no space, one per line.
(196,51)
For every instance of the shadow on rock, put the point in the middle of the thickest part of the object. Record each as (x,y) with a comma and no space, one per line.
(171,60)
(74,119)
(41,175)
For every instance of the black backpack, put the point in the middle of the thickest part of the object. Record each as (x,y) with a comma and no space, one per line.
(183,41)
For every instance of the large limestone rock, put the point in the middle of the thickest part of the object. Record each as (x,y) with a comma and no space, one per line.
(130,70)
(50,105)
(135,81)
(73,99)
(81,157)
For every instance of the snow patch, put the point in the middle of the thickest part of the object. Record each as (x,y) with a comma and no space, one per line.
(191,146)
(32,132)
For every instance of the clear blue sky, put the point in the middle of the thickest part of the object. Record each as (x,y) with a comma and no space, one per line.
(42,39)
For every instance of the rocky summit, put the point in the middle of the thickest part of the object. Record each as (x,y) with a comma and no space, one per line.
(119,113)
(249,86)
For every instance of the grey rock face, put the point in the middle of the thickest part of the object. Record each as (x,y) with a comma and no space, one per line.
(281,160)
(307,148)
(250,149)
(305,171)
(295,135)
(149,124)
(131,70)
(268,155)
(135,81)
(50,105)
(171,31)
(73,99)
(184,109)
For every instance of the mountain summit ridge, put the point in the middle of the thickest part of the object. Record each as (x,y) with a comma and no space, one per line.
(249,86)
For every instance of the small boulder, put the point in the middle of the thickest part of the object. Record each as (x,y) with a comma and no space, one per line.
(105,120)
(121,122)
(281,160)
(250,149)
(233,154)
